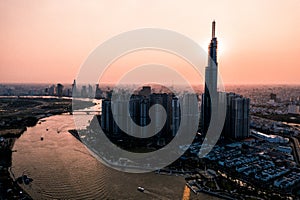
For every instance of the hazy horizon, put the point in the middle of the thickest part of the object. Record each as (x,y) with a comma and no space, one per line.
(108,84)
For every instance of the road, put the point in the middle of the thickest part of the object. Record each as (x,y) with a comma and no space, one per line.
(296,148)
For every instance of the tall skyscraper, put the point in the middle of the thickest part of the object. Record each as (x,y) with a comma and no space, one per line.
(211,71)
(211,81)
(237,115)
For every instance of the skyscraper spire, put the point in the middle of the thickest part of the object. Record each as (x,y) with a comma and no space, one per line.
(213,29)
(212,49)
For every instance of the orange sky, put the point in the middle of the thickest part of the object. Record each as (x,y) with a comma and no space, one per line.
(48,40)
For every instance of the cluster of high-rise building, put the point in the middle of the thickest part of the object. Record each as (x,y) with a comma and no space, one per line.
(86,91)
(139,105)
(81,91)
(237,121)
(164,121)
(237,117)
(57,90)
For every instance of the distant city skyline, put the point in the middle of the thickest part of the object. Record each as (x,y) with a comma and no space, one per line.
(47,41)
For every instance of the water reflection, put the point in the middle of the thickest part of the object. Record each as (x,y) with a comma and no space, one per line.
(62,168)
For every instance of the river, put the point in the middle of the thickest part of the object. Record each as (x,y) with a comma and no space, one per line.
(62,168)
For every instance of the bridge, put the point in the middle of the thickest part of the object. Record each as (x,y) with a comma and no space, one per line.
(86,112)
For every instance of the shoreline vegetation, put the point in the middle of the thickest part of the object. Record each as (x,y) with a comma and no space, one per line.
(16,114)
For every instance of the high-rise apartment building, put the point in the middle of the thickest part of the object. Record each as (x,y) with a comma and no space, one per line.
(237,123)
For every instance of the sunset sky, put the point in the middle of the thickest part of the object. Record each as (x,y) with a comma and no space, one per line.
(46,41)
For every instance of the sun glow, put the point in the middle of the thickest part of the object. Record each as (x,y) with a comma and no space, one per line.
(221,46)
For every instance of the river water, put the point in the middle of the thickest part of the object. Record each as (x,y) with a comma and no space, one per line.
(62,168)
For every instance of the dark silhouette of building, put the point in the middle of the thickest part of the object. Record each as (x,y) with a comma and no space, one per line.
(145,91)
(164,100)
(237,120)
(273,97)
(59,90)
(91,93)
(139,106)
(106,117)
(84,93)
(134,108)
(144,113)
(237,123)
(74,88)
(175,115)
(51,90)
(211,80)
(98,92)
(237,115)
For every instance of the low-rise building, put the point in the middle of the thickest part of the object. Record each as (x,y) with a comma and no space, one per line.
(269,138)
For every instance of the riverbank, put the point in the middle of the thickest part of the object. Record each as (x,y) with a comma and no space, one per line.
(16,114)
(9,188)
(62,168)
